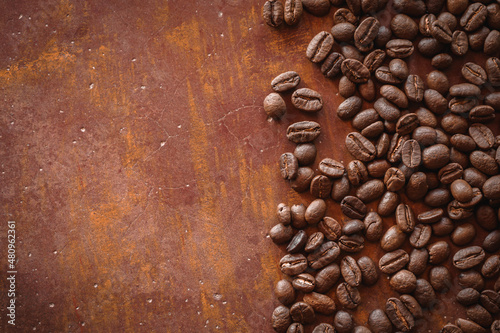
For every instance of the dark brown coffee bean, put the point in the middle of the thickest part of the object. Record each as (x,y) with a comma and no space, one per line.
(353,227)
(324,255)
(411,154)
(305,153)
(394,179)
(403,281)
(368,269)
(293,264)
(388,203)
(371,190)
(468,326)
(404,27)
(425,135)
(384,75)
(459,43)
(464,90)
(315,211)
(412,8)
(491,267)
(474,73)
(351,52)
(343,322)
(374,59)
(344,15)
(326,278)
(491,242)
(386,109)
(317,7)
(285,81)
(284,214)
(378,321)
(486,217)
(453,124)
(461,190)
(492,43)
(360,147)
(284,292)
(274,105)
(443,227)
(298,216)
(349,108)
(414,88)
(273,13)
(420,236)
(491,187)
(436,156)
(304,282)
(437,197)
(399,48)
(302,312)
(367,90)
(457,7)
(493,100)
(351,243)
(471,279)
(405,219)
(468,296)
(417,263)
(392,239)
(482,114)
(343,32)
(394,95)
(281,319)
(373,130)
(441,31)
(303,131)
(320,46)
(394,261)
(417,186)
(298,242)
(484,163)
(468,257)
(441,61)
(407,123)
(435,101)
(366,31)
(340,189)
(490,300)
(479,315)
(440,279)
(463,234)
(493,18)
(320,303)
(424,293)
(346,87)
(438,81)
(307,100)
(331,168)
(373,226)
(456,211)
(330,228)
(293,11)
(430,216)
(295,328)
(364,119)
(399,315)
(348,296)
(289,166)
(357,172)
(425,24)
(331,66)
(355,71)
(495,327)
(429,47)
(280,233)
(463,143)
(412,305)
(482,135)
(314,241)
(474,17)
(462,104)
(438,252)
(350,271)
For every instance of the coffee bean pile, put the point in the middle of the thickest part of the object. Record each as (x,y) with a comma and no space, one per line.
(423,140)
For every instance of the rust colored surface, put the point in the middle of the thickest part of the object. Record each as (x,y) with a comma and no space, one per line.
(141,170)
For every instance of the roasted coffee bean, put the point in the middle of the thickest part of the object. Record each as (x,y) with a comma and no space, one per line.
(491,187)
(429,47)
(289,166)
(474,73)
(298,216)
(371,190)
(411,154)
(463,143)
(457,7)
(449,19)
(314,241)
(438,81)
(420,236)
(441,32)
(366,31)
(403,281)
(405,219)
(343,32)
(364,119)
(303,180)
(384,75)
(459,43)
(404,27)
(479,315)
(482,135)
(361,329)
(441,61)
(493,18)
(468,296)
(350,271)
(407,123)
(453,124)
(384,35)
(348,296)
(355,71)
(280,233)
(281,319)
(435,101)
(412,8)
(330,228)
(315,211)
(396,147)
(298,242)
(414,88)
(491,267)
(471,279)
(492,43)
(321,186)
(382,145)
(331,66)
(424,293)
(320,46)
(351,52)
(486,217)
(285,81)
(440,279)
(388,203)
(273,13)
(438,252)
(399,315)
(324,255)
(368,270)
(353,207)
(456,156)
(493,100)
(317,7)
(474,17)
(394,95)
(374,59)
(464,90)
(378,321)
(349,108)
(304,282)
(320,303)
(326,278)
(295,328)
(463,234)
(399,48)
(303,131)
(468,326)
(347,88)
(386,109)
(430,216)
(435,156)
(484,163)
(392,239)
(344,15)
(475,177)
(302,312)
(394,261)
(340,189)
(353,227)
(293,11)
(462,104)
(324,328)
(437,197)
(351,243)
(308,100)
(360,147)
(477,38)
(305,153)
(490,300)
(461,190)
(357,172)
(417,186)
(284,214)
(491,242)
(477,196)
(274,105)
(331,168)
(495,327)
(444,227)
(293,264)
(343,322)
(373,226)
(425,24)
(417,263)
(284,292)
(482,114)
(468,257)
(367,90)
(412,305)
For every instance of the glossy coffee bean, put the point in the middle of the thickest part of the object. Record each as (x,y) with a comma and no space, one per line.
(379,322)
(297,243)
(471,279)
(350,271)
(403,281)
(420,236)
(468,296)
(285,81)
(304,282)
(284,292)
(417,263)
(468,257)
(305,153)
(302,312)
(307,100)
(440,279)
(293,264)
(324,255)
(438,252)
(304,131)
(392,262)
(348,296)
(373,226)
(320,303)
(399,315)
(281,319)
(326,278)
(392,239)
(330,227)
(280,233)
(353,207)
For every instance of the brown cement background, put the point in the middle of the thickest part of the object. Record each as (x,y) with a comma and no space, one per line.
(141,170)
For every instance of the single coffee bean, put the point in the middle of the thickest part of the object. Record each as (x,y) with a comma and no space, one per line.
(368,269)
(474,73)
(484,163)
(284,214)
(474,17)
(355,71)
(394,261)
(396,147)
(331,66)
(478,37)
(407,123)
(297,243)
(453,123)
(298,216)
(314,241)
(305,153)
(347,88)
(384,75)
(491,242)
(343,322)
(289,166)
(321,186)
(482,114)
(399,48)
(293,264)
(411,154)
(441,32)
(304,282)
(357,172)
(348,296)
(331,168)
(437,197)
(320,46)
(378,321)
(317,7)
(436,156)
(353,227)
(308,100)
(491,267)
(324,328)
(350,271)
(495,327)
(468,257)
(463,234)
(442,228)
(412,305)
(360,147)
(448,18)
(440,279)
(302,312)
(417,263)
(464,90)
(388,203)
(315,211)
(353,207)
(463,143)
(364,118)
(384,35)
(371,190)
(479,315)
(425,24)
(475,177)
(399,315)
(468,296)
(344,15)
(373,226)
(492,43)
(382,145)
(273,13)
(429,47)
(293,11)
(285,81)
(280,233)
(386,109)
(284,292)
(435,101)
(340,189)
(424,293)
(326,278)
(490,300)
(281,319)
(486,217)
(414,88)
(471,279)
(367,90)
(351,52)
(412,8)
(274,105)
(320,303)
(392,239)
(303,131)
(459,43)
(343,32)
(404,27)
(469,326)
(417,186)
(374,59)
(493,100)
(430,216)
(349,108)
(366,31)
(442,61)
(351,243)
(477,196)
(420,236)
(482,135)
(403,281)
(295,328)
(438,252)
(461,190)
(324,255)
(405,219)
(330,228)
(394,95)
